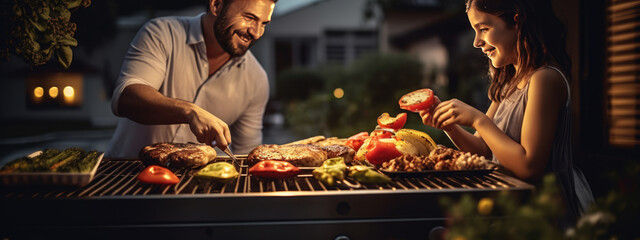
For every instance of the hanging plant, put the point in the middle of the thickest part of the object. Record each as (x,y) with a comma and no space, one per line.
(39,30)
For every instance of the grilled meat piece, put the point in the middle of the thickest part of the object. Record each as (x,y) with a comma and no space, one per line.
(310,140)
(178,155)
(300,155)
(331,141)
(340,151)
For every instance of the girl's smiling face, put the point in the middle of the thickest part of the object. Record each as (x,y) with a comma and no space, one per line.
(496,39)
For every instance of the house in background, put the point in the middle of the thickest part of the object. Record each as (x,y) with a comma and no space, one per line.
(329,31)
(339,32)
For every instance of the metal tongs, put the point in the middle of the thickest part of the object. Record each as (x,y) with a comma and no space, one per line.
(391,130)
(229,153)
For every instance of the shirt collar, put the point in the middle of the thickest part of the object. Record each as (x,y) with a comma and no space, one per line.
(195,34)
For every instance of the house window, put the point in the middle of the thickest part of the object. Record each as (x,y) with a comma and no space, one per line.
(295,52)
(343,47)
(336,45)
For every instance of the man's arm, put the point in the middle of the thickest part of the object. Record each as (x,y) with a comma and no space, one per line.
(143,72)
(144,104)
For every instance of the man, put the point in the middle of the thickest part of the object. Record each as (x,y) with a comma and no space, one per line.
(191,79)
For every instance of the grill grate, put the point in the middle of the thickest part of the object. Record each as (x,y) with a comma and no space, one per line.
(118,178)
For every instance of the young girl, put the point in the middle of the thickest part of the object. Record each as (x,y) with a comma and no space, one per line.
(527,128)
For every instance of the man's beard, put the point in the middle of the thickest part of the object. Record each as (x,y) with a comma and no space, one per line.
(225,37)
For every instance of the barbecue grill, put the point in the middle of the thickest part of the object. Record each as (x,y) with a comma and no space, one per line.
(116,205)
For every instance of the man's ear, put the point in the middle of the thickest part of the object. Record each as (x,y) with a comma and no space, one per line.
(516,18)
(215,6)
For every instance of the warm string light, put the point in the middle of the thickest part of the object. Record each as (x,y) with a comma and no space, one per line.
(68,91)
(53,92)
(38,92)
(338,93)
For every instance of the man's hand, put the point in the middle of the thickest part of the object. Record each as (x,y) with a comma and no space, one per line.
(207,127)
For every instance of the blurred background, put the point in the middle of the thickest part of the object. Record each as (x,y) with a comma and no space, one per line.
(334,66)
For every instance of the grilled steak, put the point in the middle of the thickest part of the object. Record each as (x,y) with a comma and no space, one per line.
(300,155)
(320,141)
(310,140)
(331,141)
(340,151)
(177,155)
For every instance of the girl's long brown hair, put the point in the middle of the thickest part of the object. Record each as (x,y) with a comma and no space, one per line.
(540,41)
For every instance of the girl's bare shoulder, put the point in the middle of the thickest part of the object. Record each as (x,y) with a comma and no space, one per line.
(546,76)
(549,81)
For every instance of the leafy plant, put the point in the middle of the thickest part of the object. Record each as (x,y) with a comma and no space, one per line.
(372,85)
(39,30)
(506,216)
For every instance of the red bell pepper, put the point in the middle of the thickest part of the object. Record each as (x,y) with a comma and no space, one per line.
(274,169)
(381,134)
(418,100)
(396,123)
(356,141)
(158,175)
(381,151)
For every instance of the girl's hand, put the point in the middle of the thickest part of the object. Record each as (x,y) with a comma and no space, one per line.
(452,112)
(427,114)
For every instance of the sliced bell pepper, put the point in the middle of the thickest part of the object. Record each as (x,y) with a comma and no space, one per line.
(157,175)
(274,169)
(380,151)
(367,175)
(417,100)
(386,121)
(379,133)
(220,171)
(332,170)
(356,141)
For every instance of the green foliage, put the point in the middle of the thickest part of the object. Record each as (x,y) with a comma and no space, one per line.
(39,30)
(507,216)
(372,85)
(614,216)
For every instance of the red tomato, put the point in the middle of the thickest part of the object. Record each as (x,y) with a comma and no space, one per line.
(381,134)
(380,152)
(356,141)
(396,123)
(274,169)
(417,100)
(157,175)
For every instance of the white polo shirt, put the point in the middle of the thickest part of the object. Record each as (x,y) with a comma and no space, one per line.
(169,54)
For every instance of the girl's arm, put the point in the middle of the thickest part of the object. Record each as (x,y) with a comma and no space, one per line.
(528,159)
(463,140)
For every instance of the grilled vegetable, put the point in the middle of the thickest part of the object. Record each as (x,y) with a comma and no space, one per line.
(381,150)
(75,154)
(220,171)
(157,175)
(80,164)
(68,160)
(356,141)
(367,175)
(274,169)
(66,155)
(420,140)
(418,100)
(396,123)
(332,170)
